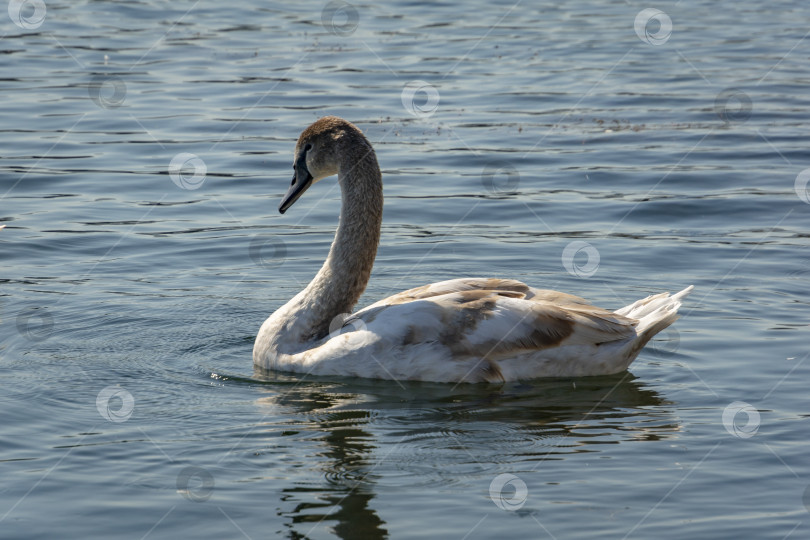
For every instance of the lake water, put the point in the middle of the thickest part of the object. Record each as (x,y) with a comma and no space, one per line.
(598,148)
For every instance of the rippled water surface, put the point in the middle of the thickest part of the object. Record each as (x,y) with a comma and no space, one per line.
(146,145)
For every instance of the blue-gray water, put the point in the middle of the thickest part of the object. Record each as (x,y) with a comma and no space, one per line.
(129,304)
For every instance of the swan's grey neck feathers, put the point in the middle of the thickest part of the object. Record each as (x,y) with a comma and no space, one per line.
(345,274)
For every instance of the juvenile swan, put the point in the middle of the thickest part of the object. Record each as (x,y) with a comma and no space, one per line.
(461,330)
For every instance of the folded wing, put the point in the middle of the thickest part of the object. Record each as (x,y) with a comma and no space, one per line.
(490,318)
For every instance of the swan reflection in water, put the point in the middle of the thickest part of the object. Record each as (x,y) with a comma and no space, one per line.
(374,435)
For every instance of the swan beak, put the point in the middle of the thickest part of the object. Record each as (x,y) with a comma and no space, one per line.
(300,183)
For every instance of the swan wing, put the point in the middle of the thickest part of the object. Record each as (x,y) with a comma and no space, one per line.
(486,325)
(452,286)
(478,284)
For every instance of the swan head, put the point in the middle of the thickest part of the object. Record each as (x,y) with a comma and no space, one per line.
(318,155)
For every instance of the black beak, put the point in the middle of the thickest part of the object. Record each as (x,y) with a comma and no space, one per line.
(300,183)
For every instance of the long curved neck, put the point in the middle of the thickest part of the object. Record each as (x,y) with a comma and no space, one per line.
(346,271)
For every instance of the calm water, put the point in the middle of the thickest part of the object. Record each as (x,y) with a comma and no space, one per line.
(145,146)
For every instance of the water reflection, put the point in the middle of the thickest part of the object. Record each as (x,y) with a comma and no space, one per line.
(377,435)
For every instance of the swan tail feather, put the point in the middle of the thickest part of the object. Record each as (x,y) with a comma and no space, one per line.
(654,314)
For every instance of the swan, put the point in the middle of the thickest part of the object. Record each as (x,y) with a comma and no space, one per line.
(462,330)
